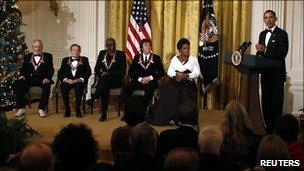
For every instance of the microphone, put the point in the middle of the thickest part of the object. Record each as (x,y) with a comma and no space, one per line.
(244,46)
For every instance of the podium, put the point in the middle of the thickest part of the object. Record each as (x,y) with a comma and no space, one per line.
(250,66)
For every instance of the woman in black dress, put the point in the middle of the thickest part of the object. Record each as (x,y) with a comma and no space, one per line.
(183,70)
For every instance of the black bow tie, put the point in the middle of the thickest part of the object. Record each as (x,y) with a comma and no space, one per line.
(269,31)
(75,59)
(37,55)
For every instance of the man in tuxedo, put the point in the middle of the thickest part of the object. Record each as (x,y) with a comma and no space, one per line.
(273,44)
(110,71)
(73,73)
(145,71)
(36,70)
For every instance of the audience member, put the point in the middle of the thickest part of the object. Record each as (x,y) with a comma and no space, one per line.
(143,141)
(36,157)
(240,142)
(75,148)
(182,159)
(210,141)
(288,130)
(272,147)
(185,135)
(135,111)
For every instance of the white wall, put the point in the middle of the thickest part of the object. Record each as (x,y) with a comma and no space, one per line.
(81,22)
(290,18)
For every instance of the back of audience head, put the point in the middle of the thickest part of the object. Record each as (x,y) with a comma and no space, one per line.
(210,140)
(236,118)
(272,147)
(288,128)
(36,157)
(181,159)
(144,139)
(188,113)
(75,147)
(135,110)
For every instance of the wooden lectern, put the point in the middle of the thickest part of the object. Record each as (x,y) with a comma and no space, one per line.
(250,66)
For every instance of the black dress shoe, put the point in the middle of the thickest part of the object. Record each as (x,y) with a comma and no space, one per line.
(90,102)
(67,113)
(103,116)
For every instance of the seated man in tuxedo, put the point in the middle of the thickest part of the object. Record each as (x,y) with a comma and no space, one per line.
(36,70)
(145,71)
(110,70)
(73,73)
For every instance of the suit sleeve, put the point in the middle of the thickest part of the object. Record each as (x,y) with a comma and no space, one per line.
(262,43)
(282,50)
(160,69)
(61,71)
(88,71)
(98,64)
(50,69)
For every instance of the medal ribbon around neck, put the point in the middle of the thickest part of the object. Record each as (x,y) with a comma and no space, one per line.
(36,65)
(150,60)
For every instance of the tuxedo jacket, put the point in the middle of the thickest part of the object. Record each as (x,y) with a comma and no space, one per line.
(139,69)
(44,68)
(83,69)
(276,49)
(117,68)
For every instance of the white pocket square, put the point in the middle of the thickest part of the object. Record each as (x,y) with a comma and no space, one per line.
(273,41)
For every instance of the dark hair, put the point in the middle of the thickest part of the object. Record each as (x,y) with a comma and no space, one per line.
(75,45)
(135,109)
(271,11)
(144,41)
(180,159)
(188,113)
(75,148)
(182,42)
(288,128)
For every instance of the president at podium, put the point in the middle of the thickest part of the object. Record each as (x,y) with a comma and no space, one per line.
(273,44)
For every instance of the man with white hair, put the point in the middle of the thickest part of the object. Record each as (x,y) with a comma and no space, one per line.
(210,140)
(36,70)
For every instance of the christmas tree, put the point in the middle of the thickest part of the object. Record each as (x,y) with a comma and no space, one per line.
(12,48)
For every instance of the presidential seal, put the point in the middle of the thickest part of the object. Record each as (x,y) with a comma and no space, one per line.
(236,58)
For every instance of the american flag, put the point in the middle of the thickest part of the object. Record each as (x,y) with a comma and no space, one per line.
(138,28)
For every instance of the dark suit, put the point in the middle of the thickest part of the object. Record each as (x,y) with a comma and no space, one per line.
(184,136)
(116,69)
(65,71)
(34,74)
(273,80)
(139,68)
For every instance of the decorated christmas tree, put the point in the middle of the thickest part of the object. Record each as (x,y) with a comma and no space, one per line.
(12,48)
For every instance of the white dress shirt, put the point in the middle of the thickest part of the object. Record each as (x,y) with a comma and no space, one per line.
(191,65)
(268,35)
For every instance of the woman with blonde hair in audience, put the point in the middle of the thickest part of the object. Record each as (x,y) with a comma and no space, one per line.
(240,141)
